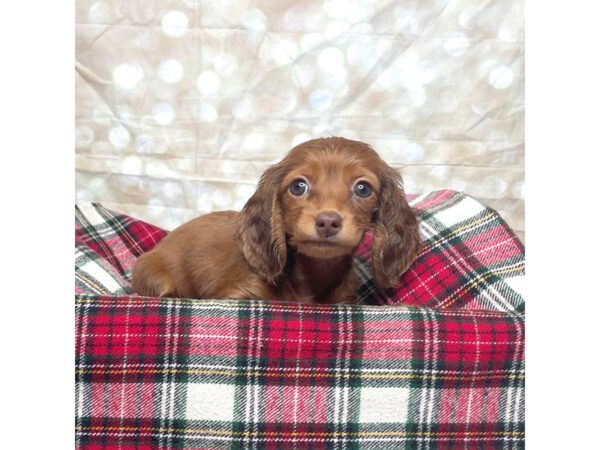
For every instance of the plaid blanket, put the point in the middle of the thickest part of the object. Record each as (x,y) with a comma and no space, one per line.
(437,362)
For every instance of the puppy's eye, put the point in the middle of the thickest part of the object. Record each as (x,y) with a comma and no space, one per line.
(298,187)
(363,189)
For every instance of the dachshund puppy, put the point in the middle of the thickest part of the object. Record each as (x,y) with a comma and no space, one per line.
(295,237)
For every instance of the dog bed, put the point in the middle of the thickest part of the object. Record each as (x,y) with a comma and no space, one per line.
(437,362)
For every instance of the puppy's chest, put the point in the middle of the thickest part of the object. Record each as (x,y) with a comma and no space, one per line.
(302,289)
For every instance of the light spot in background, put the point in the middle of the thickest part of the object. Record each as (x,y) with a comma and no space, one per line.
(156,207)
(170,71)
(502,135)
(102,148)
(254,142)
(324,130)
(144,143)
(242,108)
(518,189)
(455,44)
(416,26)
(230,168)
(310,41)
(163,113)
(320,99)
(336,81)
(411,152)
(84,136)
(216,197)
(100,13)
(287,101)
(225,64)
(496,187)
(350,134)
(335,28)
(243,193)
(458,184)
(129,181)
(255,20)
(417,95)
(447,101)
(232,145)
(508,31)
(353,11)
(175,23)
(132,165)
(85,196)
(331,59)
(208,82)
(501,77)
(278,126)
(403,15)
(300,138)
(98,185)
(410,187)
(484,69)
(172,190)
(285,52)
(119,137)
(365,55)
(206,112)
(294,19)
(438,171)
(467,17)
(305,73)
(204,193)
(387,79)
(126,76)
(157,169)
(125,112)
(102,116)
(362,28)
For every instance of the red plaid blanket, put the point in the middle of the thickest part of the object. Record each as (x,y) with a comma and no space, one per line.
(445,372)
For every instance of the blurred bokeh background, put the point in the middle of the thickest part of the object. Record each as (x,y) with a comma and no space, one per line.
(182,104)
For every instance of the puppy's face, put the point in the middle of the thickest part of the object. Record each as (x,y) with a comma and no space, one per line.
(320,199)
(328,201)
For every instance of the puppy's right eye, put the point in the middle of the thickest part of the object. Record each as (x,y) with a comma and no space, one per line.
(298,187)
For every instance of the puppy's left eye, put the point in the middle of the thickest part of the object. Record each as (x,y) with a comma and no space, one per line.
(363,189)
(298,187)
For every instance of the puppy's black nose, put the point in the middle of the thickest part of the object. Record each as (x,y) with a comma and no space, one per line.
(328,224)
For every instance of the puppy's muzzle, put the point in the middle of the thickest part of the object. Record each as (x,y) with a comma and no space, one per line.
(328,224)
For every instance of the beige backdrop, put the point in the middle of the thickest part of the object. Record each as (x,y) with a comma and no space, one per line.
(181,104)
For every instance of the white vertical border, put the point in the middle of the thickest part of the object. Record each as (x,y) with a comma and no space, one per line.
(562,206)
(36,224)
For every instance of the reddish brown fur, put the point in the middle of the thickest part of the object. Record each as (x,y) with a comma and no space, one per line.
(271,250)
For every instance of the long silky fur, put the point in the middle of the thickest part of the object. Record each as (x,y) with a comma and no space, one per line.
(260,229)
(396,234)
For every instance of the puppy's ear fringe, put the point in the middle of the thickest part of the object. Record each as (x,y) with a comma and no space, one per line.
(260,229)
(396,239)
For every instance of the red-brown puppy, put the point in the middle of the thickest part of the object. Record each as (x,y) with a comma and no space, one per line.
(295,236)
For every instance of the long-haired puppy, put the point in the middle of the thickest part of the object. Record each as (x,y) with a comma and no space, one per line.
(295,237)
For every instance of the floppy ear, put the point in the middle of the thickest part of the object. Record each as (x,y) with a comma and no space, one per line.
(260,230)
(396,236)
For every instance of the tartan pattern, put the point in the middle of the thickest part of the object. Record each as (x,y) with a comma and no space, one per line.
(94,276)
(469,258)
(177,373)
(107,246)
(446,372)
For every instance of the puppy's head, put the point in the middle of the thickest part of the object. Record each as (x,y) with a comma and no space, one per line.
(320,200)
